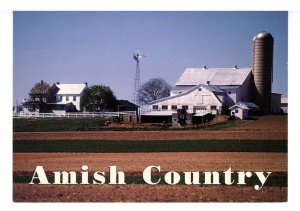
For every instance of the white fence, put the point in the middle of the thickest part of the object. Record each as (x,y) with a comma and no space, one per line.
(72,115)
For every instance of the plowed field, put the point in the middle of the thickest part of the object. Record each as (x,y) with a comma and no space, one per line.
(142,193)
(265,128)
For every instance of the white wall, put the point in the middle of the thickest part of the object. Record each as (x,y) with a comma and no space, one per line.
(59,112)
(240,113)
(203,98)
(64,100)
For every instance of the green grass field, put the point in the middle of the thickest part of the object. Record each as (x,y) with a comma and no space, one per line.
(89,124)
(149,146)
(55,124)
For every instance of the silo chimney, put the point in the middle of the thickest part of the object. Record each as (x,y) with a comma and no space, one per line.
(262,69)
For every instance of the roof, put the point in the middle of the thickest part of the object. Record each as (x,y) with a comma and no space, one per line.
(215,76)
(212,88)
(245,105)
(208,87)
(126,103)
(263,35)
(182,88)
(71,89)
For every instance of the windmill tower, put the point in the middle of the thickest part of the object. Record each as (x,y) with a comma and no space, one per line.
(137,57)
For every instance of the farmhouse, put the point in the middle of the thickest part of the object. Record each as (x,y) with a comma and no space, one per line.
(65,97)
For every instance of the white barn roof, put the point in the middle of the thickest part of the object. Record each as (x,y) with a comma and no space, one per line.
(71,89)
(245,105)
(214,90)
(216,76)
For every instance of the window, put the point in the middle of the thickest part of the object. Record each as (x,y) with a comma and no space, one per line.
(199,89)
(67,98)
(202,108)
(213,107)
(199,109)
(60,98)
(236,111)
(174,107)
(185,107)
(229,93)
(155,107)
(164,107)
(74,98)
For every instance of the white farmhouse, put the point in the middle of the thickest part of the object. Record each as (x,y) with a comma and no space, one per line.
(66,97)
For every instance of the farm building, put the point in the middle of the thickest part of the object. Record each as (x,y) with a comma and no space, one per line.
(243,109)
(66,97)
(202,91)
(127,106)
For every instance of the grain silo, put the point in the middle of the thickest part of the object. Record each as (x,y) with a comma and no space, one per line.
(262,68)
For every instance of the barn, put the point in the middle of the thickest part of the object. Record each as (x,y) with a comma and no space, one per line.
(201,91)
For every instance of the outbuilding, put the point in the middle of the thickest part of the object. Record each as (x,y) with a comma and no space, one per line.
(243,110)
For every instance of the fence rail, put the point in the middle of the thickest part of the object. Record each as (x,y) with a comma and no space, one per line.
(72,115)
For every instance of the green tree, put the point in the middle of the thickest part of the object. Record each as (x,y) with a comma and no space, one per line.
(98,97)
(154,89)
(40,94)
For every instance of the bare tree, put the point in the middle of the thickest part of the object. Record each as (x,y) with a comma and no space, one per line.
(40,94)
(154,89)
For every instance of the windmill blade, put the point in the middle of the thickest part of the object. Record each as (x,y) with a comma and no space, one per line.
(137,55)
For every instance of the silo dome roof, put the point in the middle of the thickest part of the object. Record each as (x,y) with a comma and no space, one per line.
(263,35)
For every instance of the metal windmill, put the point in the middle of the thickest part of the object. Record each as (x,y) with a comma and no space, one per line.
(137,55)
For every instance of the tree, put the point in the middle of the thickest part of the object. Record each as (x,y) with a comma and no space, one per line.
(98,97)
(153,89)
(40,94)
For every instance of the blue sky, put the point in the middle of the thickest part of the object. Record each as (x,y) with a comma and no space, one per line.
(97,47)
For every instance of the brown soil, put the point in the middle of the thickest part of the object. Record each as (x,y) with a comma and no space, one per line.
(264,123)
(152,135)
(145,193)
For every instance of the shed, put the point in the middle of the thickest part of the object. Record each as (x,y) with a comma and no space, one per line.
(241,109)
(125,105)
